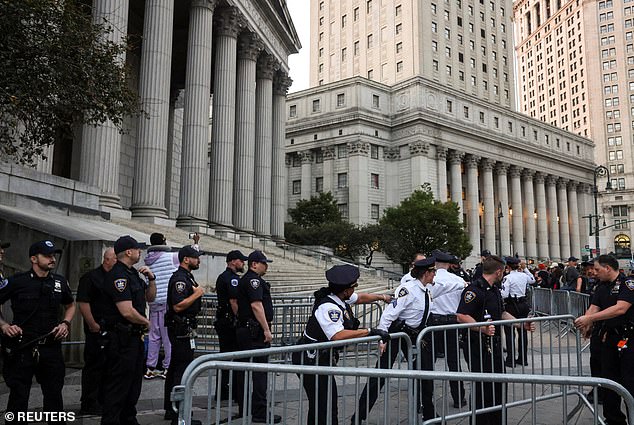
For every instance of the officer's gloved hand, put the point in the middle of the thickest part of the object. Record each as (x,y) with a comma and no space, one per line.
(385,337)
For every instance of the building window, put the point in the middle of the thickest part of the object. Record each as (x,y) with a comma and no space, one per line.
(356,48)
(343,54)
(399,66)
(370,74)
(370,41)
(374,211)
(292,111)
(319,184)
(343,209)
(344,20)
(449,106)
(399,47)
(296,161)
(622,243)
(342,151)
(375,101)
(398,10)
(316,107)
(297,187)
(342,180)
(374,181)
(368,6)
(465,111)
(355,14)
(341,100)
(374,152)
(319,156)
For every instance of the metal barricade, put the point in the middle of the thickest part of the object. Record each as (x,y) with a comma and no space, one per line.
(579,303)
(542,301)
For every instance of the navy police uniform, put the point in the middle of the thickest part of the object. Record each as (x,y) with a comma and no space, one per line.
(35,303)
(482,352)
(125,351)
(180,328)
(90,290)
(617,352)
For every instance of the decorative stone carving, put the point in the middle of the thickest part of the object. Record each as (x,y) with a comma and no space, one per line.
(281,83)
(562,183)
(471,161)
(305,157)
(540,177)
(487,164)
(267,65)
(515,171)
(551,180)
(288,159)
(227,22)
(572,185)
(455,157)
(418,148)
(209,4)
(358,148)
(392,153)
(501,168)
(441,153)
(329,153)
(249,46)
(528,174)
(258,23)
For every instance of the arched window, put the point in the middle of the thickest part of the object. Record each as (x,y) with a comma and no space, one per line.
(622,246)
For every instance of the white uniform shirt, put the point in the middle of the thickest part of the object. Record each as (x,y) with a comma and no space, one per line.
(448,303)
(407,278)
(330,317)
(514,284)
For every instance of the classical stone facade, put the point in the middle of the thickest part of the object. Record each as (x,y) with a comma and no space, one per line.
(180,161)
(522,186)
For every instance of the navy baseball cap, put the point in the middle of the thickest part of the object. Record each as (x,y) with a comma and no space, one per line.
(258,257)
(44,248)
(511,260)
(442,257)
(342,277)
(573,259)
(236,255)
(485,253)
(127,242)
(188,251)
(425,263)
(4,245)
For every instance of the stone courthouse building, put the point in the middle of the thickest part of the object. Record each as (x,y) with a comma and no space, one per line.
(212,77)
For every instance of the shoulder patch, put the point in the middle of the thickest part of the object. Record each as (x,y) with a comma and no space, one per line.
(58,286)
(255,283)
(630,284)
(334,315)
(120,284)
(4,283)
(469,296)
(234,282)
(180,287)
(403,292)
(394,302)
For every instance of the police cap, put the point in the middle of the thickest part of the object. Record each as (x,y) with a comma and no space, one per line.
(442,257)
(4,245)
(127,242)
(258,256)
(44,248)
(485,253)
(455,260)
(511,260)
(236,255)
(425,263)
(188,251)
(342,277)
(573,259)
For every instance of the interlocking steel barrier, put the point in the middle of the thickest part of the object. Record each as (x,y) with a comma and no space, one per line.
(542,301)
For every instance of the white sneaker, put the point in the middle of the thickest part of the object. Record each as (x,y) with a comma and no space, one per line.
(151,373)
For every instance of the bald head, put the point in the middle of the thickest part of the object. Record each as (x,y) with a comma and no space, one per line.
(109,259)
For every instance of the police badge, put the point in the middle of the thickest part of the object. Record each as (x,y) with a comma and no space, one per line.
(255,283)
(120,284)
(334,315)
(469,296)
(180,287)
(234,282)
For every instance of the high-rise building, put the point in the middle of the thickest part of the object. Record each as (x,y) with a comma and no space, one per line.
(465,45)
(575,63)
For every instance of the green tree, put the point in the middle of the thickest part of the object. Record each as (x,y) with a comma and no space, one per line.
(58,71)
(316,211)
(421,224)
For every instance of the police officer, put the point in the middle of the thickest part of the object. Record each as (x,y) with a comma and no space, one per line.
(183,304)
(456,268)
(90,300)
(332,320)
(612,305)
(3,246)
(482,301)
(32,343)
(407,277)
(443,311)
(126,294)
(477,271)
(255,314)
(514,286)
(225,324)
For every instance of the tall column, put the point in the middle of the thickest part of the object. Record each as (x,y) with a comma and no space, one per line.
(542,217)
(358,179)
(529,214)
(263,144)
(278,173)
(306,159)
(148,196)
(329,178)
(564,227)
(575,244)
(249,48)
(101,144)
(473,203)
(583,203)
(224,114)
(441,158)
(518,213)
(553,225)
(503,214)
(194,185)
(455,161)
(418,163)
(488,199)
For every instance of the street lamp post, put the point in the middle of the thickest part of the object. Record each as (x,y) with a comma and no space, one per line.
(599,171)
(500,215)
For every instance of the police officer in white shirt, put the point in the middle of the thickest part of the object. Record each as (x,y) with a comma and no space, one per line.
(409,313)
(513,291)
(443,312)
(407,277)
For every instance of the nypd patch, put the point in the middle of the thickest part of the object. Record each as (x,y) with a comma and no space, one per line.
(4,283)
(120,284)
(469,296)
(58,286)
(334,315)
(403,292)
(180,287)
(630,284)
(48,244)
(394,302)
(234,282)
(255,283)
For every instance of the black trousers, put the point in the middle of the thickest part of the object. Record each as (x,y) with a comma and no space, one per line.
(317,387)
(123,378)
(47,365)
(617,366)
(519,310)
(452,354)
(480,359)
(596,346)
(93,372)
(182,356)
(228,343)
(258,396)
(426,387)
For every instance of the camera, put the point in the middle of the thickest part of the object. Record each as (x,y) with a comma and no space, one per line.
(191,235)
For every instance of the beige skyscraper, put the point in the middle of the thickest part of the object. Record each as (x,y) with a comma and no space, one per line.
(576,71)
(465,45)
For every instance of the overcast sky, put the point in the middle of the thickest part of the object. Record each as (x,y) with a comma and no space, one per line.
(299,63)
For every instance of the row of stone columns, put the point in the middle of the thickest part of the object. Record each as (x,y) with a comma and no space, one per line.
(246,178)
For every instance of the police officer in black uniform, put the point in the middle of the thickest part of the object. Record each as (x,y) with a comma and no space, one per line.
(32,344)
(456,268)
(126,294)
(183,305)
(255,314)
(225,324)
(612,305)
(481,301)
(477,271)
(90,300)
(332,319)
